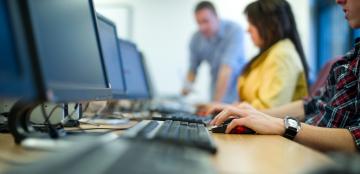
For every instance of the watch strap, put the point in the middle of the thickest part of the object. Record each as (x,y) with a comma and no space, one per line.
(290,133)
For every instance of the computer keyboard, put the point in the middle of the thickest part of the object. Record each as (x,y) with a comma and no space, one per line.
(168,110)
(185,117)
(177,132)
(95,156)
(172,107)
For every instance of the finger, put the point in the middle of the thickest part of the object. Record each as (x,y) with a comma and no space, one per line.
(219,117)
(214,120)
(234,124)
(229,112)
(226,113)
(244,105)
(218,109)
(213,109)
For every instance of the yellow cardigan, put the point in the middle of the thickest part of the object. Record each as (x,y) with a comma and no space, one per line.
(277,77)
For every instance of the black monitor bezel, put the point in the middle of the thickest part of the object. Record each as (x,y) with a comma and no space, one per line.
(116,94)
(148,79)
(68,95)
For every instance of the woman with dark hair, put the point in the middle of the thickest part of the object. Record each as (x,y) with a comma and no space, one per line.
(328,121)
(278,74)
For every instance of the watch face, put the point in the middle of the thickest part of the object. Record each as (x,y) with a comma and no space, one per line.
(292,123)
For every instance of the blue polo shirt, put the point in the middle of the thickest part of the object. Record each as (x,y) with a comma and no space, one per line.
(225,48)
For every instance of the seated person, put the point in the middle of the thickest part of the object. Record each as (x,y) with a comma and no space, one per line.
(330,121)
(278,75)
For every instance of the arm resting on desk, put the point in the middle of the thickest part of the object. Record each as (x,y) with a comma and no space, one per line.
(324,139)
(295,109)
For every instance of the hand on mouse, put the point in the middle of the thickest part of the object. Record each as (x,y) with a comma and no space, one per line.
(250,118)
(245,105)
(216,108)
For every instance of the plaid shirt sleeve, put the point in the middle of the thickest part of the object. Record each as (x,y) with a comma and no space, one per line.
(355,132)
(354,128)
(337,104)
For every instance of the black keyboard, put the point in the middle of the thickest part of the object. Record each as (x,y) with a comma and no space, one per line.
(163,109)
(93,156)
(177,132)
(184,117)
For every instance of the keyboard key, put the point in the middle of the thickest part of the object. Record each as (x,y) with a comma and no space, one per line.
(178,132)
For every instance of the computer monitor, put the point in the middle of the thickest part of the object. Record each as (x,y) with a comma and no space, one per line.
(134,72)
(66,44)
(112,56)
(148,79)
(16,73)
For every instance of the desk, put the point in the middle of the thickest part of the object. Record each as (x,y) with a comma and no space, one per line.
(236,154)
(264,154)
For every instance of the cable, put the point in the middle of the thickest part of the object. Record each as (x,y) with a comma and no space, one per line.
(69,121)
(52,131)
(86,107)
(73,112)
(46,116)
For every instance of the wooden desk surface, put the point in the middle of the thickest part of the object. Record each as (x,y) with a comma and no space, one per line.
(264,154)
(236,154)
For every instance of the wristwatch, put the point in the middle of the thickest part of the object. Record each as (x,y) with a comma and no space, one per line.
(292,127)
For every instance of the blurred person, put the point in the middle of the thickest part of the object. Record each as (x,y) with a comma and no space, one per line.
(219,43)
(328,121)
(278,74)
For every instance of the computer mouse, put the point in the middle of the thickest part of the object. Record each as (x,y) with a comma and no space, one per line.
(242,130)
(237,130)
(219,129)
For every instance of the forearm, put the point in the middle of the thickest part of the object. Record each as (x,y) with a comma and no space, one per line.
(222,83)
(295,109)
(326,139)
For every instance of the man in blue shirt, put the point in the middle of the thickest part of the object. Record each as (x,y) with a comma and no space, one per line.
(221,44)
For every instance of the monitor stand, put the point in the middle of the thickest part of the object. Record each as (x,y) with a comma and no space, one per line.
(19,120)
(20,125)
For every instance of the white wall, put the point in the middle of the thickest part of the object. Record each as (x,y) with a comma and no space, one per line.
(162,30)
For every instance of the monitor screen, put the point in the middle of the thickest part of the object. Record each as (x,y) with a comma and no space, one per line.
(16,78)
(136,87)
(149,83)
(68,50)
(111,55)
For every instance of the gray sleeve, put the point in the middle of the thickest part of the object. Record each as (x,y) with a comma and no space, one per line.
(234,53)
(195,60)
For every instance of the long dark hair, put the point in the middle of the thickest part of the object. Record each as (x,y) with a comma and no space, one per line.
(275,21)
